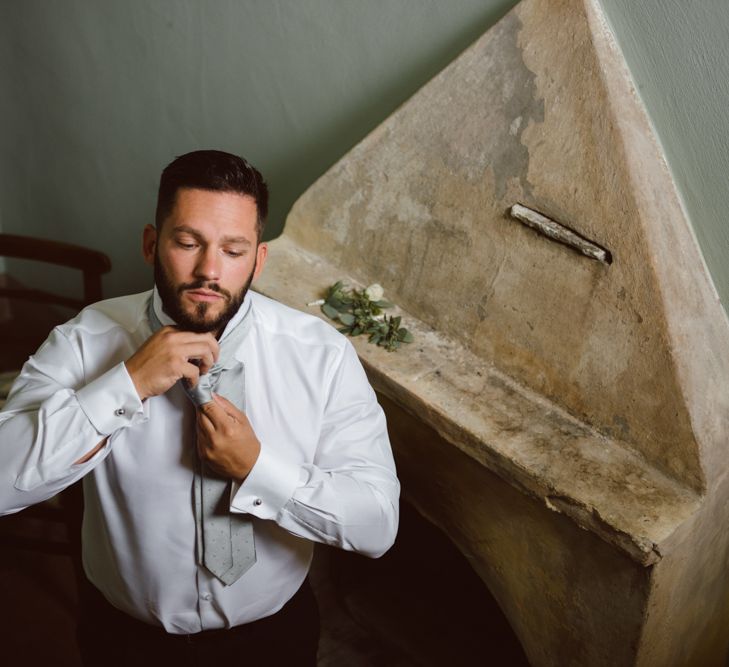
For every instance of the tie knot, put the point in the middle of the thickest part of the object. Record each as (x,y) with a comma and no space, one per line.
(226,377)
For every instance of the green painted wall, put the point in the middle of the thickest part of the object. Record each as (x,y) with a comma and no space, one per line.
(98,96)
(678,54)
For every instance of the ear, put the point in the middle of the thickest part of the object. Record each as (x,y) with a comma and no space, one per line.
(261,254)
(149,243)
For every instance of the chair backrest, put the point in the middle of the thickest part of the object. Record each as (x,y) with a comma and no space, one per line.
(20,336)
(92,263)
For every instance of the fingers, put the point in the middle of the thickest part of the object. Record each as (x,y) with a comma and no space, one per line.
(169,355)
(212,416)
(227,445)
(200,352)
(191,374)
(203,343)
(183,337)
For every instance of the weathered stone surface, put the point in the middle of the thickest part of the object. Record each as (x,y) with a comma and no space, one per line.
(522,116)
(538,565)
(535,445)
(583,394)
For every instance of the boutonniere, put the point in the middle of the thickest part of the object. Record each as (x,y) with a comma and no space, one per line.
(360,312)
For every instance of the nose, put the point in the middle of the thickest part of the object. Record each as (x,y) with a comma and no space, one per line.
(208,265)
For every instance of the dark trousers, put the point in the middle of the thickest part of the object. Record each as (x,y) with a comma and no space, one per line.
(108,637)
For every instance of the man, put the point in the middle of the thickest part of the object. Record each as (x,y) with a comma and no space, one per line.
(157,398)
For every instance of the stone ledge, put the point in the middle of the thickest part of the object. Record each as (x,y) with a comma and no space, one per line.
(534,445)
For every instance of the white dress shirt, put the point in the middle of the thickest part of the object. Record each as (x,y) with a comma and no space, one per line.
(325,471)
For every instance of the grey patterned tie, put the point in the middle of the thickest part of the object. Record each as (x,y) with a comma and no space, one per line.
(224,540)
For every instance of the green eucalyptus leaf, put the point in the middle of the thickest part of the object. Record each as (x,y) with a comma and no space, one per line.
(354,309)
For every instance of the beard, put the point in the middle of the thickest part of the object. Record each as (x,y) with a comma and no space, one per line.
(197,322)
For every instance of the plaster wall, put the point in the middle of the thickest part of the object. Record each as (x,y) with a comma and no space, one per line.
(678,55)
(571,599)
(523,116)
(541,110)
(99,96)
(687,614)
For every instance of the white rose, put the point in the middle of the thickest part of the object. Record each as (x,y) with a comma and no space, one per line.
(374,292)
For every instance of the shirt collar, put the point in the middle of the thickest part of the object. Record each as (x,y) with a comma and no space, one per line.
(166,320)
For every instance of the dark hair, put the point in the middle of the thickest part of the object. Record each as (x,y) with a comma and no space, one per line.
(211,170)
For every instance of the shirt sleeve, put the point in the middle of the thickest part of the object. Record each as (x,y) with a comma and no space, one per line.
(349,496)
(53,418)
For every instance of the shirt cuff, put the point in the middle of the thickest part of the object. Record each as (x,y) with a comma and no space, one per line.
(111,401)
(268,487)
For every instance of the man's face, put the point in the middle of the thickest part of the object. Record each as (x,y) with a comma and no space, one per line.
(205,257)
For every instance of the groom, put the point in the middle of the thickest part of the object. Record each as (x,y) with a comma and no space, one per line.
(219,434)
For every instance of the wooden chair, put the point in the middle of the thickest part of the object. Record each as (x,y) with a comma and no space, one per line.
(23,328)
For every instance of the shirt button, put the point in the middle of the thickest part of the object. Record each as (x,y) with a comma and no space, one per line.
(257,502)
(207,597)
(119,412)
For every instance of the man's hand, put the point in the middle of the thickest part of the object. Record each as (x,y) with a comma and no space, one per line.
(168,356)
(225,439)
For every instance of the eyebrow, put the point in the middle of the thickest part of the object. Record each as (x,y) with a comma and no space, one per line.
(184,229)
